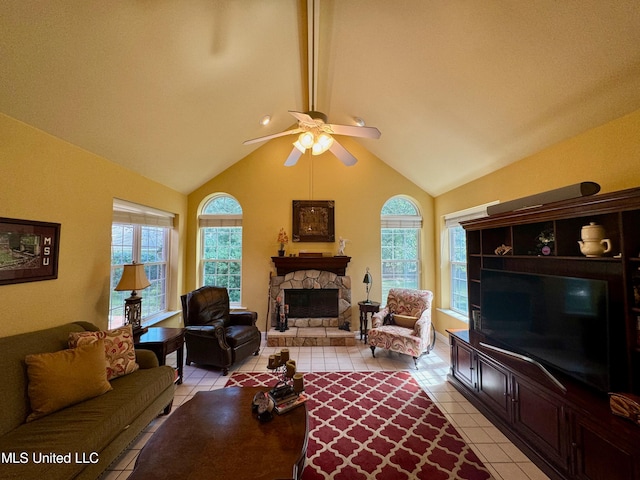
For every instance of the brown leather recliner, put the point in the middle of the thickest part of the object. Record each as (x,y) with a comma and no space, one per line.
(214,335)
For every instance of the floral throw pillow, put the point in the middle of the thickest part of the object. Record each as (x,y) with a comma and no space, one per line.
(120,355)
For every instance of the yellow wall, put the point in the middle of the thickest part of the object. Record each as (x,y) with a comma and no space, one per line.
(47,179)
(608,155)
(265,189)
(44,178)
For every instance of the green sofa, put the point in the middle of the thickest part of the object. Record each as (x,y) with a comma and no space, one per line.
(80,441)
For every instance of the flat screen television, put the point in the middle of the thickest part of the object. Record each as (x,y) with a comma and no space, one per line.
(561,322)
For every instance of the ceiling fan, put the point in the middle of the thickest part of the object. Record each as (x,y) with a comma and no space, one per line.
(314,132)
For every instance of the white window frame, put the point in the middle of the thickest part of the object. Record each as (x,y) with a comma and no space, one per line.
(458,287)
(410,222)
(218,221)
(451,221)
(138,217)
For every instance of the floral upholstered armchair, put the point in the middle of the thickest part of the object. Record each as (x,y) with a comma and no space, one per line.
(404,324)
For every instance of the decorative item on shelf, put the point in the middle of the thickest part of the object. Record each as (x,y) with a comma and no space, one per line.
(546,240)
(342,243)
(502,250)
(635,281)
(593,243)
(625,405)
(368,281)
(283,239)
(263,405)
(133,278)
(476,318)
(286,393)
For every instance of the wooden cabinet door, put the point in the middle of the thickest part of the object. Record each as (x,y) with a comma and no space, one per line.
(540,418)
(597,458)
(493,387)
(463,363)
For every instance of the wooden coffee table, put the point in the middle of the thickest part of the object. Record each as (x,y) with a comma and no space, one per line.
(216,435)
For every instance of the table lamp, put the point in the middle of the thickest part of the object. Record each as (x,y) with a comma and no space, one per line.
(368,280)
(133,278)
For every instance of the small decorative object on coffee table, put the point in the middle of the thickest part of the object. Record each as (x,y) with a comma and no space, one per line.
(286,394)
(263,405)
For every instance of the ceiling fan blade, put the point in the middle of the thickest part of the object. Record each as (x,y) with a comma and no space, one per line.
(269,137)
(293,157)
(342,153)
(302,117)
(354,131)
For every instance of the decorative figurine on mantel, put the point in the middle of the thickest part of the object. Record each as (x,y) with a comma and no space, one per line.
(283,239)
(342,243)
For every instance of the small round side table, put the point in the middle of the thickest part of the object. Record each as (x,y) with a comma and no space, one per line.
(366,308)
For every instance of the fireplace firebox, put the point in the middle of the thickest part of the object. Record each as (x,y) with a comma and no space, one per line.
(312,303)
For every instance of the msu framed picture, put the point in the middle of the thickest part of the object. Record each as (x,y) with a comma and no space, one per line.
(28,250)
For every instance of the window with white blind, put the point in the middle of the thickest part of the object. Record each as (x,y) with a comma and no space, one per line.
(220,226)
(140,234)
(457,257)
(400,222)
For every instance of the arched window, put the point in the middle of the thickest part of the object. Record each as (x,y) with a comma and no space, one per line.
(400,222)
(220,226)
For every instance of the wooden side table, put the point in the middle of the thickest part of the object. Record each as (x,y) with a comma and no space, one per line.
(366,308)
(162,341)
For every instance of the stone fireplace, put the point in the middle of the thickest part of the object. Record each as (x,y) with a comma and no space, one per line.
(318,293)
(321,298)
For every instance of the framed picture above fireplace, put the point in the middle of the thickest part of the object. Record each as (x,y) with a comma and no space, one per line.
(313,221)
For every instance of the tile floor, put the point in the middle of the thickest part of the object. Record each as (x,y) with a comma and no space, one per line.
(502,458)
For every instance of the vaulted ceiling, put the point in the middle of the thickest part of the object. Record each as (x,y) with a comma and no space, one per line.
(458,88)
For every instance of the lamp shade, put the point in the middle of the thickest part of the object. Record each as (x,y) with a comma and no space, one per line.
(133,278)
(367,278)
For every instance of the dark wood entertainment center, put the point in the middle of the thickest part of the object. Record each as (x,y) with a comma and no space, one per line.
(568,430)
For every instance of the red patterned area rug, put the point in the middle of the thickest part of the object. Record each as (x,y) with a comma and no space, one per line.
(376,425)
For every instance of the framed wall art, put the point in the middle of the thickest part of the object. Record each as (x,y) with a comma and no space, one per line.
(28,250)
(313,221)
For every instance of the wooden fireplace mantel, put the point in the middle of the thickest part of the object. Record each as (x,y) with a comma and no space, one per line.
(337,265)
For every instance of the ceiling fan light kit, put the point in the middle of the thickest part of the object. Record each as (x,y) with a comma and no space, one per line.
(316,134)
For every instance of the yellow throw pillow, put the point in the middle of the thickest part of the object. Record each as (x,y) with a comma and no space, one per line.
(120,354)
(61,379)
(405,321)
